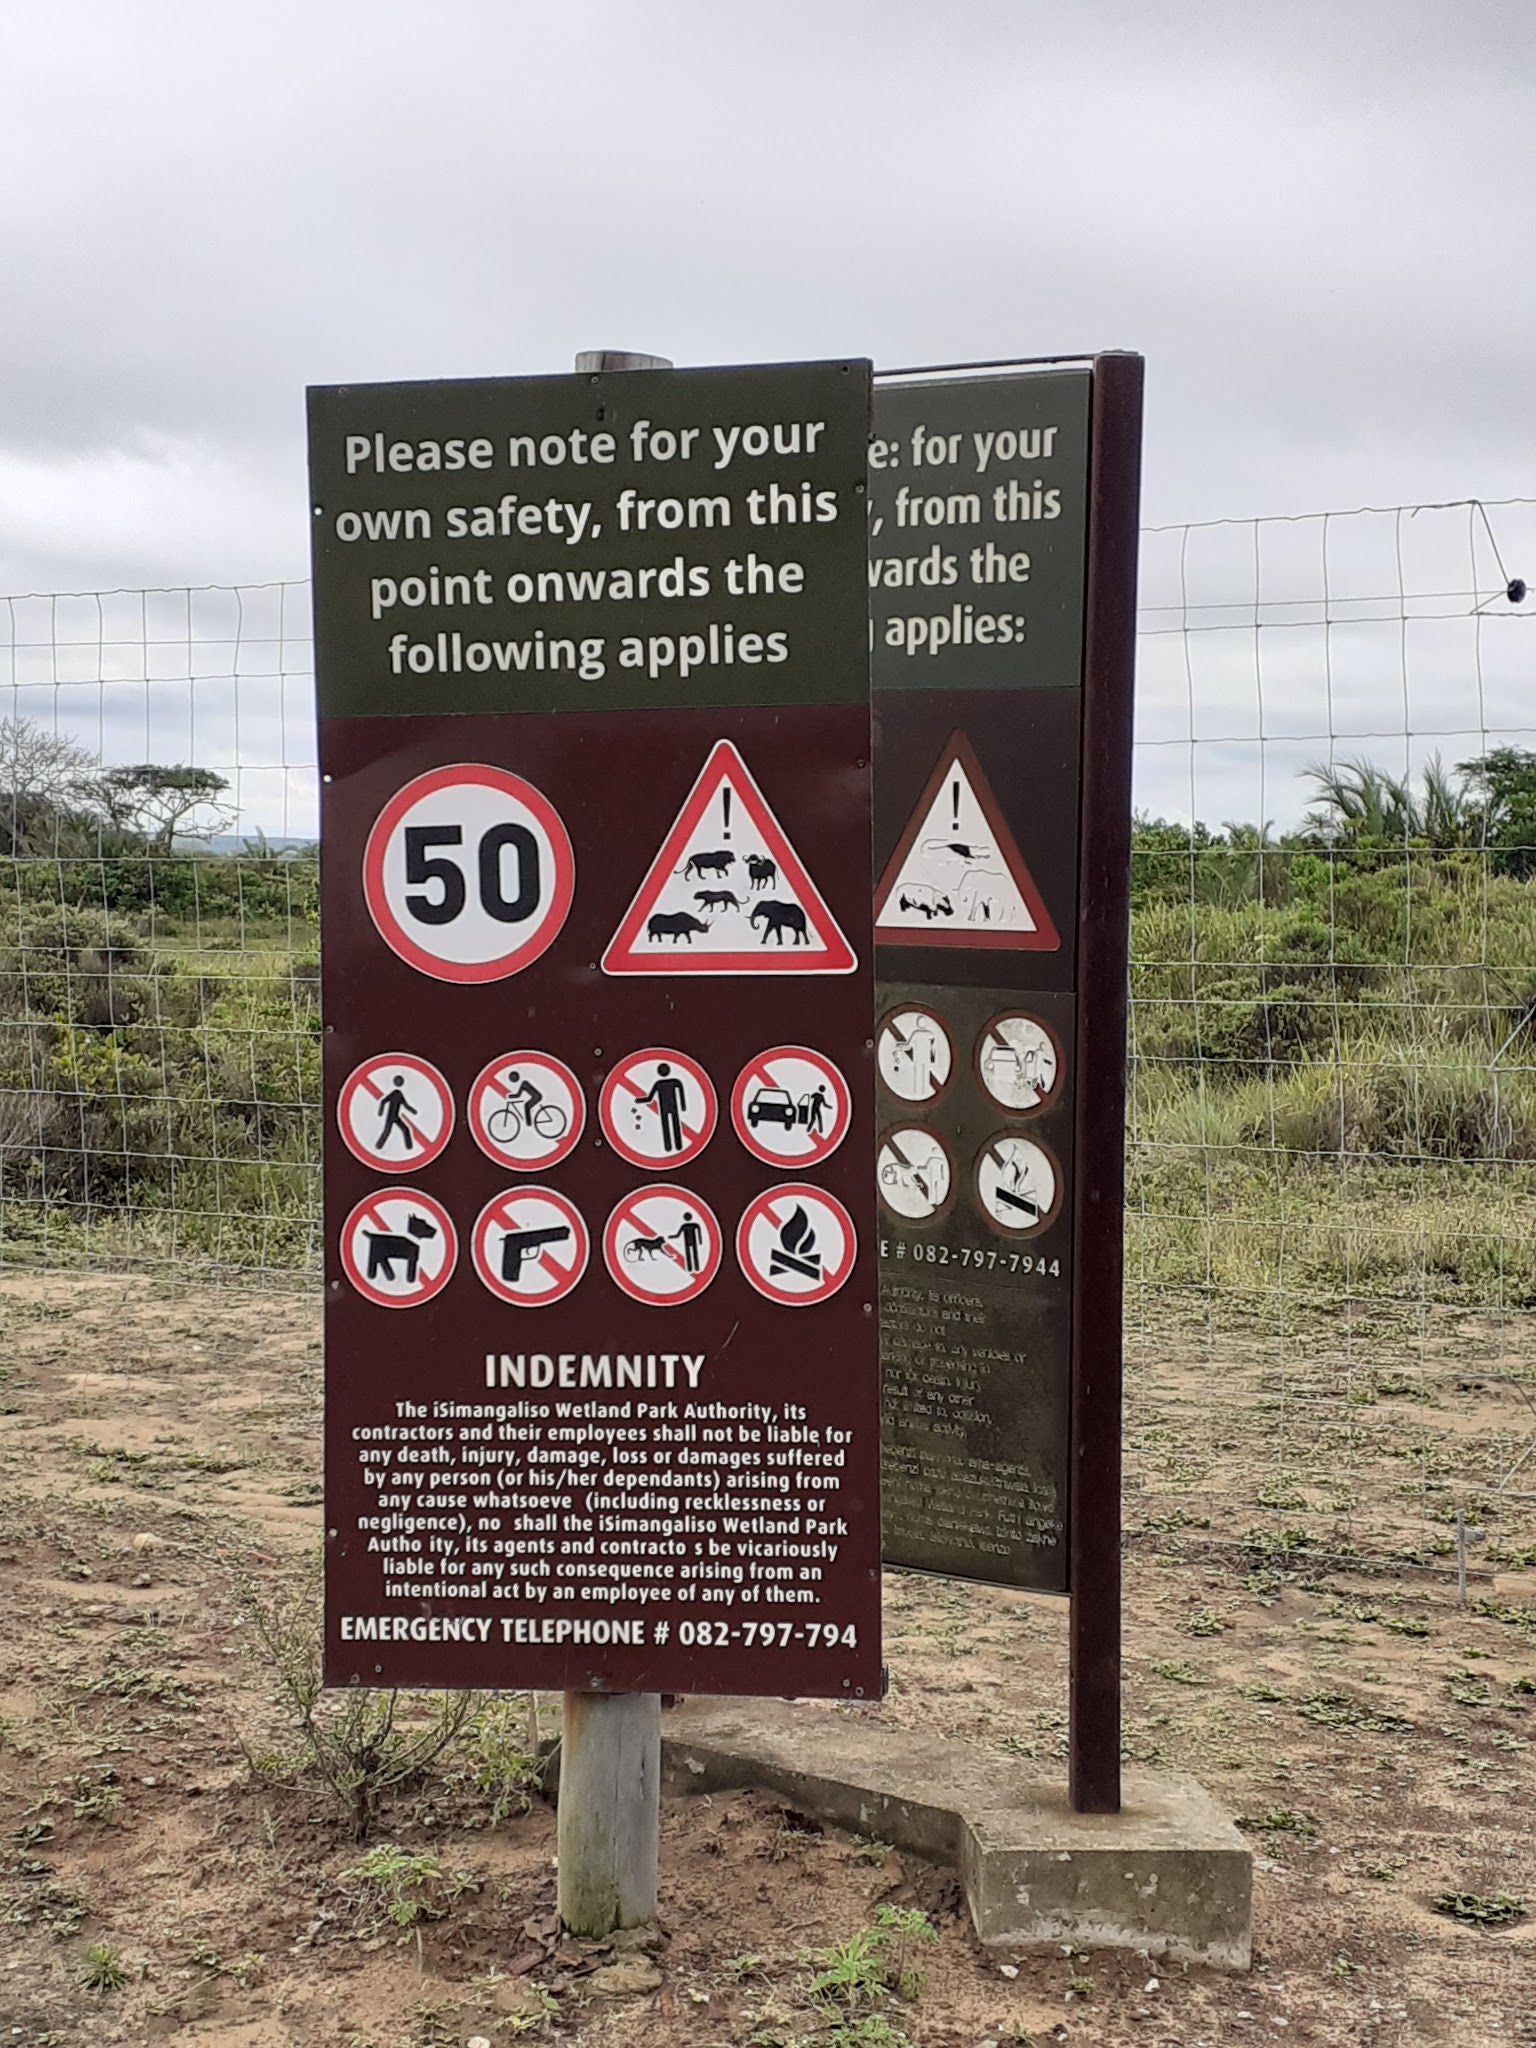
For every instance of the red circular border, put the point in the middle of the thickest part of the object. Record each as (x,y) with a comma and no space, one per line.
(605,1120)
(394,934)
(565,1146)
(439,1215)
(612,1262)
(749,1216)
(738,1106)
(949,1039)
(349,1088)
(476,1245)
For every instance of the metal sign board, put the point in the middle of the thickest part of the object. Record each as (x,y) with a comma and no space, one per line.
(1001,953)
(601,1362)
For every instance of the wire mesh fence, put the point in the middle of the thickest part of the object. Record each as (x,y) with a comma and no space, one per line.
(1331,1283)
(1332,1237)
(159,1075)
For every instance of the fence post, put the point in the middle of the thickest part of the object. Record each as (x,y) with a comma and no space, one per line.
(609,1825)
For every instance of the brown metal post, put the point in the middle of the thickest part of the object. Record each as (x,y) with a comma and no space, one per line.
(1094,1510)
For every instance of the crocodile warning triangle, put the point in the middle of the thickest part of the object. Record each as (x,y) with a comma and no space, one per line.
(727,893)
(957,877)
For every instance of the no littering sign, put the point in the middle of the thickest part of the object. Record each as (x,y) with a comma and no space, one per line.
(658,1108)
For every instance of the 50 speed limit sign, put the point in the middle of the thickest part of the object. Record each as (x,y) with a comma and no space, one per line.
(468,873)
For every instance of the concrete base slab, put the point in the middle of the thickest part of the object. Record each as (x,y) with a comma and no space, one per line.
(1169,1874)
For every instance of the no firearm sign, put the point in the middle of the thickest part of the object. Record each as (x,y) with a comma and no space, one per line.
(601,1372)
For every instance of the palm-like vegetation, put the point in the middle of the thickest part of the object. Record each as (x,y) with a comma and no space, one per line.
(1361,804)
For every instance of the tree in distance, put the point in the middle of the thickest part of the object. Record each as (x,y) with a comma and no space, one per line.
(162,803)
(45,787)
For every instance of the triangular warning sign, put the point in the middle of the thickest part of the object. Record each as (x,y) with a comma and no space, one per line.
(957,877)
(727,893)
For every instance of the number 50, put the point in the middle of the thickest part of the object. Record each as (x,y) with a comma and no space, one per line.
(424,867)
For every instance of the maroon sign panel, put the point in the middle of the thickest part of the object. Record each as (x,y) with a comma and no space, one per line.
(602,1405)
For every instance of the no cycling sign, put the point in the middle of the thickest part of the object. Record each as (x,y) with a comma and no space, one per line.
(597,946)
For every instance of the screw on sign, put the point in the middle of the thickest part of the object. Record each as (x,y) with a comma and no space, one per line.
(526,1110)
(796,1244)
(658,1107)
(914,1173)
(663,1246)
(1017,1184)
(399,1248)
(1018,1062)
(395,1110)
(468,873)
(791,1106)
(530,1246)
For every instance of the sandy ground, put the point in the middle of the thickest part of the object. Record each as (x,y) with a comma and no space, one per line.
(156,1445)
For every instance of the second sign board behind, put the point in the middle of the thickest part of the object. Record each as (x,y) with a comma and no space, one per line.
(978,532)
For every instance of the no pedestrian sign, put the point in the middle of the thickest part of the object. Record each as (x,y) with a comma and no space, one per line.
(395,1110)
(597,943)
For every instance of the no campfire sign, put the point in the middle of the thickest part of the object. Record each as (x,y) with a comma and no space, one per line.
(602,1395)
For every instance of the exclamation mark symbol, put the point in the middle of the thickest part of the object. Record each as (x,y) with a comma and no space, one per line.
(954,805)
(725,807)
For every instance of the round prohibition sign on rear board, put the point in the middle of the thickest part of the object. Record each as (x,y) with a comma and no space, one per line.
(658,1108)
(399,1248)
(395,1110)
(530,1246)
(1018,1062)
(791,1106)
(468,873)
(796,1244)
(526,1110)
(1018,1184)
(914,1053)
(662,1246)
(915,1175)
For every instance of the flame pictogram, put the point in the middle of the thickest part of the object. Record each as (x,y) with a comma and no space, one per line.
(796,1249)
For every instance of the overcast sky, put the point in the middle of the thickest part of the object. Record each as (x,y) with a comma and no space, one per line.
(1315,221)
